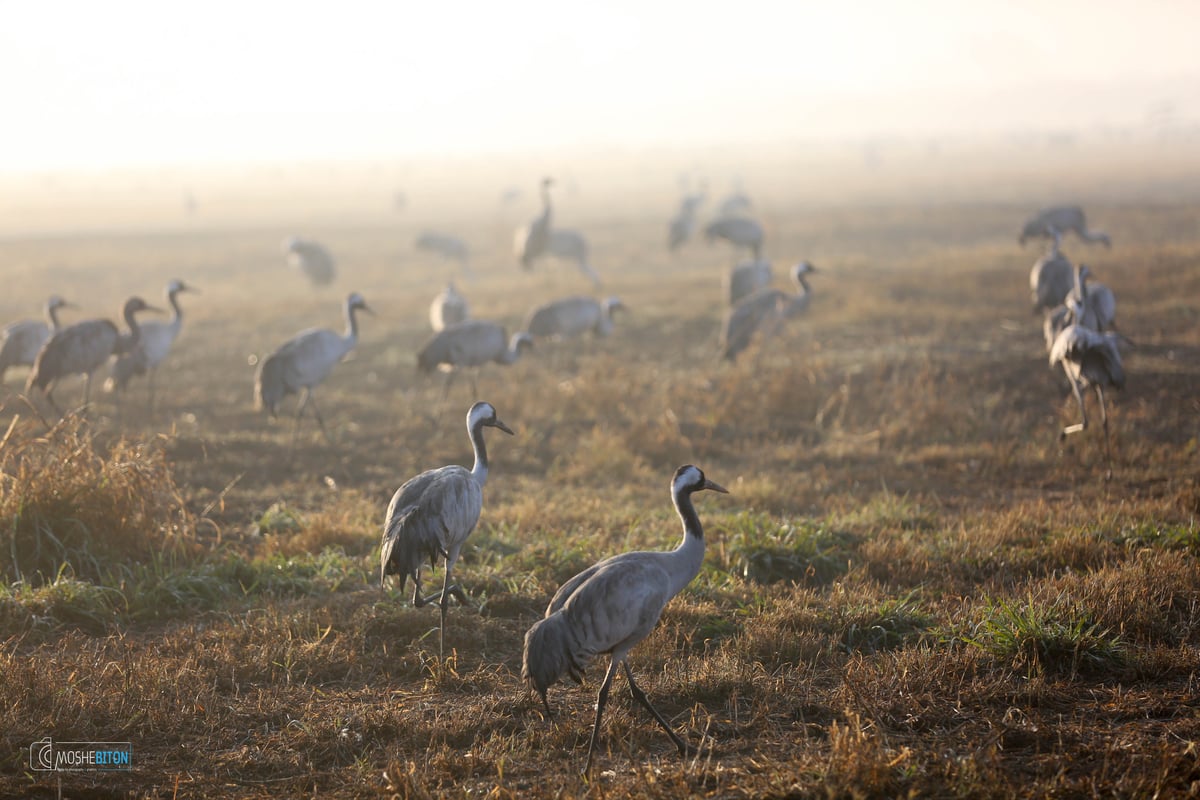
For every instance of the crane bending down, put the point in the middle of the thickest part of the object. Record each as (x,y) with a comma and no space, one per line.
(448,308)
(81,349)
(570,245)
(1096,303)
(153,345)
(740,231)
(311,258)
(573,316)
(764,310)
(304,361)
(432,515)
(21,341)
(472,343)
(1048,222)
(1090,360)
(613,605)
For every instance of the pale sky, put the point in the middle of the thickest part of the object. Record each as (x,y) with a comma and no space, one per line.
(133,83)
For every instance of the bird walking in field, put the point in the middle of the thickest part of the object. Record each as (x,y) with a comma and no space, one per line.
(448,308)
(82,348)
(21,341)
(570,245)
(1095,302)
(1090,359)
(303,362)
(472,343)
(1050,222)
(573,316)
(432,515)
(531,240)
(613,605)
(311,258)
(764,311)
(154,344)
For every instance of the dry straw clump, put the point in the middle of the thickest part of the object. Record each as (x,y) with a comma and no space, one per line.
(68,503)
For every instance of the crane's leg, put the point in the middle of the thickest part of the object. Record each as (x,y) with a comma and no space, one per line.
(601,700)
(50,398)
(320,421)
(87,389)
(300,413)
(1082,426)
(640,696)
(1104,420)
(150,389)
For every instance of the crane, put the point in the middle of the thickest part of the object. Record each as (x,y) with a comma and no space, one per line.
(312,258)
(21,341)
(613,605)
(472,343)
(153,345)
(432,515)
(764,310)
(1048,222)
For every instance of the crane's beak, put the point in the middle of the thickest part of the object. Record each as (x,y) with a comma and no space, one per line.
(716,487)
(503,427)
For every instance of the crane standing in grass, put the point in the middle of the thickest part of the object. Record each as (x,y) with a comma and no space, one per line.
(21,341)
(532,240)
(613,605)
(311,258)
(740,231)
(448,308)
(81,349)
(432,515)
(573,316)
(154,344)
(1090,359)
(746,278)
(764,310)
(304,361)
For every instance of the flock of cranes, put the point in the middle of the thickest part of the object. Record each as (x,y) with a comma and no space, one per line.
(1079,317)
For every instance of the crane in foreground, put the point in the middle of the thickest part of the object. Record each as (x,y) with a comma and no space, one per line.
(764,310)
(1049,222)
(82,348)
(303,362)
(613,605)
(21,341)
(1090,359)
(154,344)
(432,515)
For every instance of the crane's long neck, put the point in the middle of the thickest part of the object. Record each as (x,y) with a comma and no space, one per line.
(351,337)
(690,552)
(547,211)
(176,311)
(480,470)
(135,330)
(52,315)
(1080,285)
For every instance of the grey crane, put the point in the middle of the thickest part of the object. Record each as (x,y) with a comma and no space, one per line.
(81,349)
(304,361)
(532,240)
(573,316)
(154,344)
(311,258)
(740,231)
(1096,303)
(21,341)
(1048,222)
(1090,359)
(1051,278)
(683,224)
(472,343)
(448,246)
(764,310)
(746,278)
(448,308)
(613,605)
(432,515)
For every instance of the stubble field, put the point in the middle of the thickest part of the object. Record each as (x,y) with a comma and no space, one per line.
(912,588)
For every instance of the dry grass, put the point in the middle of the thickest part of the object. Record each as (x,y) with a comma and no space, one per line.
(912,589)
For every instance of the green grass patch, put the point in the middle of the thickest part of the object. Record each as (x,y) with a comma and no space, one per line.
(761,550)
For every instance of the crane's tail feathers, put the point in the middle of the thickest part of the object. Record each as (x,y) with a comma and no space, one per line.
(550,652)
